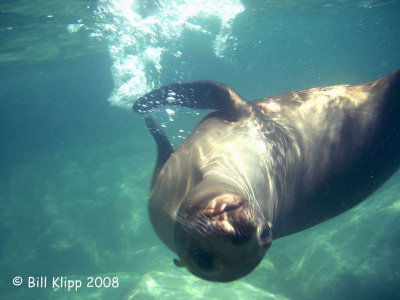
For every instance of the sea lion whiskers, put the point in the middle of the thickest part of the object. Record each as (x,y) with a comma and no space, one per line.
(189,223)
(198,224)
(231,171)
(286,162)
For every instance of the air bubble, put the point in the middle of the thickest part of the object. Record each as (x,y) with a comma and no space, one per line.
(171,99)
(170,112)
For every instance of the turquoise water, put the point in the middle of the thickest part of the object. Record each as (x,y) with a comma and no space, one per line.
(76,162)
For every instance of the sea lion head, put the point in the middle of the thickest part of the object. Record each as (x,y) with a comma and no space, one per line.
(219,234)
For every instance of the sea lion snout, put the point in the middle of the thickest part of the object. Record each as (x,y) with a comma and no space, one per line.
(226,215)
(221,239)
(223,204)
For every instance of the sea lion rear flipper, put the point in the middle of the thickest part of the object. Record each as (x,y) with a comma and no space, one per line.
(196,94)
(164,147)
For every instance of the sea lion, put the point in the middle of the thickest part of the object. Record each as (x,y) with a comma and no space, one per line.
(255,170)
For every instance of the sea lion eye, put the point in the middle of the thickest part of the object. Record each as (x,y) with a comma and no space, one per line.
(203,259)
(266,235)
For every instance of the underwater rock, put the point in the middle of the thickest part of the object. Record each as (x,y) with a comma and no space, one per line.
(163,285)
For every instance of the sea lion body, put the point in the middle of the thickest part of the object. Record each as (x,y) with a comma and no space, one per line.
(271,167)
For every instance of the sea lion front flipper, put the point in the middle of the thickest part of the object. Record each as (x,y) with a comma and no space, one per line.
(196,94)
(164,147)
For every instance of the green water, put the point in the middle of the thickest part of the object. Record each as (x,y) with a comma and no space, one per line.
(75,170)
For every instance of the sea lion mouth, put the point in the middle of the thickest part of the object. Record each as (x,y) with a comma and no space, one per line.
(217,235)
(227,216)
(224,214)
(222,204)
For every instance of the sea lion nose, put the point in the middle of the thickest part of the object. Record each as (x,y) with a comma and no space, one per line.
(225,213)
(222,204)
